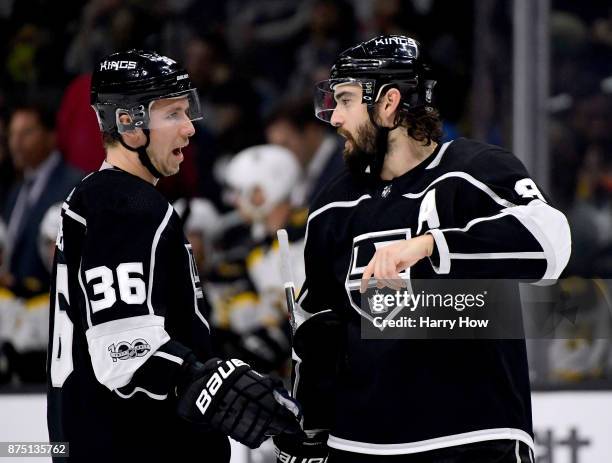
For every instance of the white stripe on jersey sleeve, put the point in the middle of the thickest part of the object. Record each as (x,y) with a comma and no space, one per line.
(110,337)
(496,255)
(85,297)
(172,358)
(140,389)
(545,223)
(332,205)
(442,246)
(158,233)
(550,228)
(73,215)
(453,440)
(465,176)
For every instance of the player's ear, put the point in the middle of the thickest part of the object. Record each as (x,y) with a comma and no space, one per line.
(389,106)
(133,138)
(125,119)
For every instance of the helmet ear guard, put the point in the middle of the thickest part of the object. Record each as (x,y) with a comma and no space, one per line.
(109,115)
(139,118)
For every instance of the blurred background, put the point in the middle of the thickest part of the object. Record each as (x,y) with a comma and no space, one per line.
(534,76)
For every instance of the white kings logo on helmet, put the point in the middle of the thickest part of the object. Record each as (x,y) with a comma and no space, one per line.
(116,65)
(396,41)
(411,46)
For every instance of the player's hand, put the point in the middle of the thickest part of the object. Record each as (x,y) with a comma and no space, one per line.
(236,400)
(394,258)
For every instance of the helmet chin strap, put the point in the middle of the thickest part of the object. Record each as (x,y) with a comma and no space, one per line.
(382,146)
(142,153)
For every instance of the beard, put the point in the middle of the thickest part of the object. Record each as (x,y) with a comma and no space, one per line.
(366,149)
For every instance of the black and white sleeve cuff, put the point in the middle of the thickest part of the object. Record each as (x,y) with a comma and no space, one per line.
(440,258)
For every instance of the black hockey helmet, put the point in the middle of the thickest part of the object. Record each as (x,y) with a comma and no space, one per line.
(130,82)
(392,60)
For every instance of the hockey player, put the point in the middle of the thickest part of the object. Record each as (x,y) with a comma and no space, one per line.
(10,307)
(29,335)
(131,376)
(261,179)
(202,224)
(411,207)
(2,239)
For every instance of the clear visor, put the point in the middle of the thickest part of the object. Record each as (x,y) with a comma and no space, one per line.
(163,112)
(325,91)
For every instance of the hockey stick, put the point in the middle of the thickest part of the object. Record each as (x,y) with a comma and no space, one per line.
(287,274)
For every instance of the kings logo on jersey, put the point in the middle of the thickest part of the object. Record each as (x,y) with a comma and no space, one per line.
(364,248)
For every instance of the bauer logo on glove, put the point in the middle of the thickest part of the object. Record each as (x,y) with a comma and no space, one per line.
(216,380)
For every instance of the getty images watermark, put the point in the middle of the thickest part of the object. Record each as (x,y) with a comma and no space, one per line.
(486,309)
(381,304)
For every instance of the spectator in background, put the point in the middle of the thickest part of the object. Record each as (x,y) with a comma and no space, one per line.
(387,17)
(252,317)
(319,152)
(47,179)
(581,124)
(230,106)
(202,225)
(24,331)
(331,28)
(30,335)
(35,39)
(602,29)
(7,171)
(260,29)
(569,42)
(582,175)
(591,121)
(229,102)
(24,322)
(105,26)
(9,309)
(2,240)
(78,131)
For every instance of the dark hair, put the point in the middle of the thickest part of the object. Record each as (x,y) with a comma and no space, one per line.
(423,124)
(108,140)
(45,115)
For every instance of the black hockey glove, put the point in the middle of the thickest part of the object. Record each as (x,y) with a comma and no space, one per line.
(289,449)
(231,397)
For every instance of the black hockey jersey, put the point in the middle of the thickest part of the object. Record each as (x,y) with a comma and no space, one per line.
(127,308)
(391,397)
